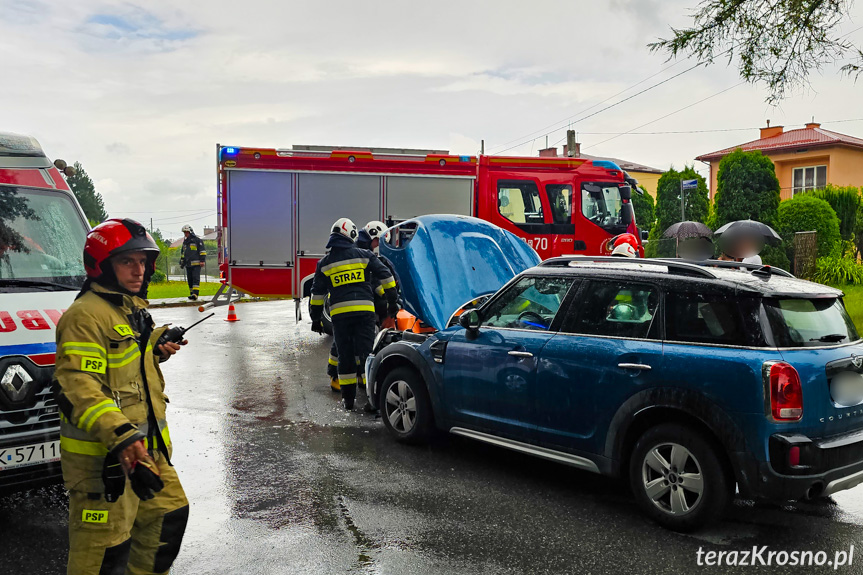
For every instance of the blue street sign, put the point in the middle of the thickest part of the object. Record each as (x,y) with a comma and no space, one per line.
(689,184)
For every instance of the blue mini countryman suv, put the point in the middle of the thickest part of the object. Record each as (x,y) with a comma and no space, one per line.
(689,379)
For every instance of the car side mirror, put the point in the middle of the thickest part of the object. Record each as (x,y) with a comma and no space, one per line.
(625,192)
(469,320)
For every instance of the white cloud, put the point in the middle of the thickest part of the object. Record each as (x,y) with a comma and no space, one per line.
(140,93)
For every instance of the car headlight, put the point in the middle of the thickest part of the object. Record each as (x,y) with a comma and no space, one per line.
(379,338)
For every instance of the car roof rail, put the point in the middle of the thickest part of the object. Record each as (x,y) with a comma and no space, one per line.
(672,265)
(692,267)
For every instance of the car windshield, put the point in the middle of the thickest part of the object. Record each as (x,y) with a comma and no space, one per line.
(41,239)
(601,204)
(809,322)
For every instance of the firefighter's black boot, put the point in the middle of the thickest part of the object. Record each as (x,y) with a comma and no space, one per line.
(349,394)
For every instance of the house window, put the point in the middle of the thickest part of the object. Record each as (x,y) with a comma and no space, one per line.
(809,178)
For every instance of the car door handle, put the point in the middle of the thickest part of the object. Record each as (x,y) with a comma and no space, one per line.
(521,353)
(643,366)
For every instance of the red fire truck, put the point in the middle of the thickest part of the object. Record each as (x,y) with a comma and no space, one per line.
(275,206)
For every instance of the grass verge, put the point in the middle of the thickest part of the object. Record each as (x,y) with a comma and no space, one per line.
(170,289)
(854,303)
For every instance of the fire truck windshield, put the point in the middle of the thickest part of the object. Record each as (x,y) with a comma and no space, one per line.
(601,204)
(41,238)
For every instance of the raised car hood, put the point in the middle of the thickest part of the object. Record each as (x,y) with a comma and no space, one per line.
(445,261)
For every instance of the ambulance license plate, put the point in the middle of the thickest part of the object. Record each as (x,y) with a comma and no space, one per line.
(11,457)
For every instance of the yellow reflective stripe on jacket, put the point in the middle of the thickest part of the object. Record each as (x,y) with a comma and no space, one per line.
(388,283)
(83,447)
(317,299)
(351,308)
(358,265)
(347,379)
(123,354)
(83,348)
(166,437)
(95,412)
(379,290)
(127,358)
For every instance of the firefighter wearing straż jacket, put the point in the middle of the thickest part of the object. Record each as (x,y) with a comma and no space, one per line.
(127,509)
(348,273)
(192,257)
(368,238)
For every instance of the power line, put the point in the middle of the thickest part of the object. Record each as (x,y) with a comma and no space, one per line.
(554,124)
(180,218)
(615,104)
(669,114)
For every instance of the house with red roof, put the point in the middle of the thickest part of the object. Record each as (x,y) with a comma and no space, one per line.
(805,159)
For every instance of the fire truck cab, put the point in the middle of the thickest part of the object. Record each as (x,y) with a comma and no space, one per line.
(276,205)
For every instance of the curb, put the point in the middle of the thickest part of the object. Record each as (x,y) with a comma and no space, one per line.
(196,303)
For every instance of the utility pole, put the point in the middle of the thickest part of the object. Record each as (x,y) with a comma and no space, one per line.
(482,147)
(570,143)
(682,204)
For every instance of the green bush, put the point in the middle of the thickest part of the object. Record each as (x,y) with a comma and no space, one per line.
(158,277)
(838,271)
(803,213)
(845,202)
(746,189)
(775,256)
(643,206)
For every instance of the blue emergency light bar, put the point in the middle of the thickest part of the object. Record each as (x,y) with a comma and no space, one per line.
(606,164)
(231,151)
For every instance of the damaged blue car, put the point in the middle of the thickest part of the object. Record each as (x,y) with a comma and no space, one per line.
(692,381)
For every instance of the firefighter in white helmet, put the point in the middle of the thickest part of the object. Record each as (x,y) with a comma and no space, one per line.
(348,273)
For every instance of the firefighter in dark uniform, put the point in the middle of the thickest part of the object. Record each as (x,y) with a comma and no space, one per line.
(127,509)
(192,257)
(368,238)
(348,274)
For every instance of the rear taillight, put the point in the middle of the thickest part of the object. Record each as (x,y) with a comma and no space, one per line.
(786,393)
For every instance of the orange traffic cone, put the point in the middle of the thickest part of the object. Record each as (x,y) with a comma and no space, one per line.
(232,314)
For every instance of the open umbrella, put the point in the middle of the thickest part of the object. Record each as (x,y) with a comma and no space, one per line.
(684,230)
(749,229)
(744,238)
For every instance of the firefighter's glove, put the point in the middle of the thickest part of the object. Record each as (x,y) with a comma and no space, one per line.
(392,309)
(114,478)
(145,479)
(317,326)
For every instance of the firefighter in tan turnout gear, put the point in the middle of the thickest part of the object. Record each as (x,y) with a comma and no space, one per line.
(351,276)
(127,509)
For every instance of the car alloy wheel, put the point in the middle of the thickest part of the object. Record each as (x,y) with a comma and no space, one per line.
(401,407)
(672,479)
(679,477)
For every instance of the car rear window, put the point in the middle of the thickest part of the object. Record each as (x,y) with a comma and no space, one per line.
(703,318)
(798,322)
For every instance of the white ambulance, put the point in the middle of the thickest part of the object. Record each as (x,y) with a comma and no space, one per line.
(42,234)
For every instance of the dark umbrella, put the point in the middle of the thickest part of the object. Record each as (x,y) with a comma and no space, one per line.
(684,230)
(749,229)
(744,238)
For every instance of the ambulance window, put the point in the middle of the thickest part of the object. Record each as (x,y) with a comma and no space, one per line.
(519,201)
(560,200)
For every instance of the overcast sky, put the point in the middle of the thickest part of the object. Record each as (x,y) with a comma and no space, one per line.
(141,92)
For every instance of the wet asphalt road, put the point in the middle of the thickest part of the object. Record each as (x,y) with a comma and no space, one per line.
(282,480)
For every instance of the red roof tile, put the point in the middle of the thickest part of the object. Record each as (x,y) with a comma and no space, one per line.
(791,139)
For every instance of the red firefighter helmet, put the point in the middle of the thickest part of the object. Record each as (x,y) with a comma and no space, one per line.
(620,240)
(116,236)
